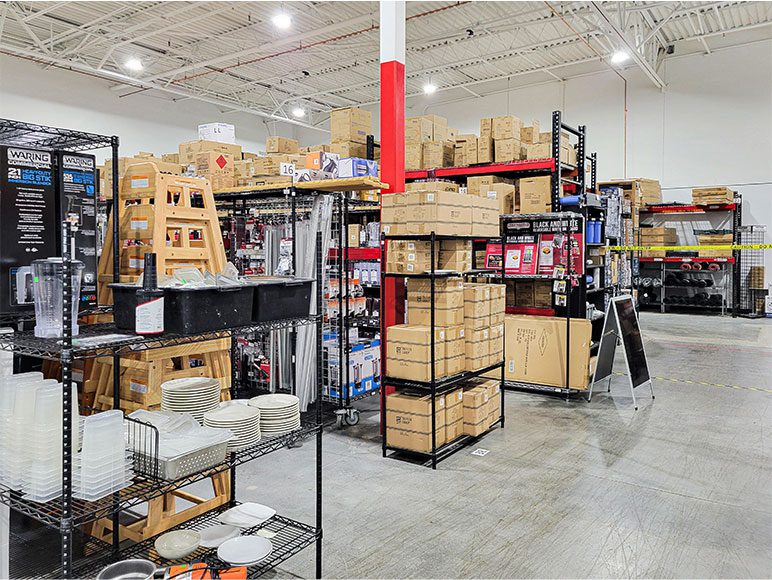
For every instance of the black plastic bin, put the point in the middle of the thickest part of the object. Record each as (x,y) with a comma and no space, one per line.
(278,297)
(190,310)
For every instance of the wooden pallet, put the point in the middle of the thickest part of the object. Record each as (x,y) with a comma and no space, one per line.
(173,216)
(142,374)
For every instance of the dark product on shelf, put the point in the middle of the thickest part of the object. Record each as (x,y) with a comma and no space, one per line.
(278,297)
(191,310)
(686,266)
(149,313)
(28,211)
(696,266)
(77,201)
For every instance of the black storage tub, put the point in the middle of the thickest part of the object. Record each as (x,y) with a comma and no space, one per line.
(190,310)
(278,297)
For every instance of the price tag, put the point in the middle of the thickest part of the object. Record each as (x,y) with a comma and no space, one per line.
(287,169)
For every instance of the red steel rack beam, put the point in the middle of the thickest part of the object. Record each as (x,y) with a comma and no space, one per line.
(688,208)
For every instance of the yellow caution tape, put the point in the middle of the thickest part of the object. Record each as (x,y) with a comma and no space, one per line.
(706,247)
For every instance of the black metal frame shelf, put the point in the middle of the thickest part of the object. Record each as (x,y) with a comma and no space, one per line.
(289,537)
(444,384)
(444,451)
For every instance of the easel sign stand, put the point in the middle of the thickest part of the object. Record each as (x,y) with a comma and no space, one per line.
(622,322)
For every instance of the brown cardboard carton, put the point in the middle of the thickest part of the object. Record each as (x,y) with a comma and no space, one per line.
(219,182)
(712,195)
(708,240)
(568,155)
(455,338)
(458,261)
(466,151)
(542,294)
(530,134)
(418,129)
(213,163)
(507,127)
(269,165)
(326,147)
(535,350)
(455,245)
(448,292)
(347,149)
(452,132)
(538,150)
(409,422)
(524,293)
(496,346)
(247,155)
(454,430)
(437,154)
(476,411)
(535,195)
(189,150)
(455,365)
(445,213)
(476,346)
(507,150)
(414,158)
(408,352)
(437,120)
(350,124)
(439,132)
(477,300)
(431,186)
(354,231)
(485,150)
(454,405)
(281,145)
(421,314)
(171,158)
(481,184)
(494,409)
(485,217)
(486,128)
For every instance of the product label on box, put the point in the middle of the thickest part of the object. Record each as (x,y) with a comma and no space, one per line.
(149,318)
(138,387)
(137,263)
(139,182)
(138,224)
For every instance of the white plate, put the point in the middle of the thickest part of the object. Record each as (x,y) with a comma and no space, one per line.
(213,536)
(247,515)
(244,550)
(274,401)
(233,414)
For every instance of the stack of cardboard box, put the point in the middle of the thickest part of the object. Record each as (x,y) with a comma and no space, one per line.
(428,142)
(482,406)
(540,147)
(484,306)
(408,352)
(535,194)
(530,293)
(465,150)
(217,167)
(349,129)
(501,189)
(507,145)
(659,236)
(409,421)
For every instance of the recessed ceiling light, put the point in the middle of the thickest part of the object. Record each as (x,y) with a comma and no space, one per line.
(134,64)
(619,57)
(430,88)
(282,20)
(298,112)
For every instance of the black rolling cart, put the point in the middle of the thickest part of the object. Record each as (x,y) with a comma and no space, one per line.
(434,386)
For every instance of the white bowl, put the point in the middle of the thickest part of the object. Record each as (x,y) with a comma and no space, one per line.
(177,544)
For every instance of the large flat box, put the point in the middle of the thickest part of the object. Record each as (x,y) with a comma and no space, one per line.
(530,134)
(419,129)
(535,349)
(507,150)
(414,158)
(486,128)
(535,195)
(507,127)
(481,184)
(409,422)
(281,145)
(214,163)
(437,154)
(714,240)
(189,150)
(485,150)
(346,149)
(431,186)
(712,195)
(350,124)
(485,217)
(408,352)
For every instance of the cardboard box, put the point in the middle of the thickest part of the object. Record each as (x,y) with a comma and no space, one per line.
(356,167)
(712,195)
(354,232)
(477,300)
(714,240)
(507,127)
(418,129)
(507,150)
(219,182)
(409,422)
(486,128)
(189,150)
(542,293)
(476,411)
(321,161)
(351,124)
(535,350)
(523,293)
(431,186)
(485,150)
(476,346)
(530,134)
(213,163)
(535,195)
(480,185)
(171,158)
(414,158)
(538,150)
(465,150)
(496,343)
(455,339)
(421,314)
(437,154)
(454,430)
(448,292)
(345,149)
(408,352)
(445,213)
(458,261)
(485,217)
(281,145)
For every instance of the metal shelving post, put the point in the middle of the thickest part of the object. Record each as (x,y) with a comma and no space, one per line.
(66,526)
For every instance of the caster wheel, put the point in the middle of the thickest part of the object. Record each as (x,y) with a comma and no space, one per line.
(352,418)
(340,417)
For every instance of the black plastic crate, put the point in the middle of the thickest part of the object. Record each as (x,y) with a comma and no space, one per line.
(190,310)
(278,297)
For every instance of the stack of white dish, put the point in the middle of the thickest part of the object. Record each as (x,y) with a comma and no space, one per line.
(245,550)
(103,466)
(194,395)
(242,420)
(279,413)
(247,515)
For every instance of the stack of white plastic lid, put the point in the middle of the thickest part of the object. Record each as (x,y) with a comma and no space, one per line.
(103,466)
(279,413)
(194,395)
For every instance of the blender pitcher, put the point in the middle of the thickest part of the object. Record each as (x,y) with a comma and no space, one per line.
(47,286)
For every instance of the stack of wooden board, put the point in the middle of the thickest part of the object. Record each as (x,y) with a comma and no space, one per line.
(712,195)
(714,240)
(661,236)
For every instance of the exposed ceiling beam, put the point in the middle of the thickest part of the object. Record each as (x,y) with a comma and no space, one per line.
(659,24)
(634,54)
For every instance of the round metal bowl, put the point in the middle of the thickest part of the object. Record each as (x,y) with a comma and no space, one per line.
(128,570)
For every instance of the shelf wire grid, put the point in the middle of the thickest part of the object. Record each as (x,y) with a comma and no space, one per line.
(21,134)
(751,298)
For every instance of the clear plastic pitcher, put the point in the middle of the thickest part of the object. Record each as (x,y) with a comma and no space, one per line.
(48,288)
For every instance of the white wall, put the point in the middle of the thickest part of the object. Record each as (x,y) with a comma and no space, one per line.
(143,123)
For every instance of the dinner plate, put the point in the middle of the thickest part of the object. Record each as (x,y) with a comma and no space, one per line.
(274,401)
(245,550)
(247,515)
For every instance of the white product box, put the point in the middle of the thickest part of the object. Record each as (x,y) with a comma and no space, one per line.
(220,132)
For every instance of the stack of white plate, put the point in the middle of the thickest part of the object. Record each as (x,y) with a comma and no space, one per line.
(242,420)
(194,395)
(279,413)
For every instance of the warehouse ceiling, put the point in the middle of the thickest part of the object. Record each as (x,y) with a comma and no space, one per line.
(232,54)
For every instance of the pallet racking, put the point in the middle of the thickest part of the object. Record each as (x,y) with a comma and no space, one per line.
(65,514)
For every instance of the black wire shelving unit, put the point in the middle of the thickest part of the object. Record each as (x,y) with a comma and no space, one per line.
(65,514)
(435,386)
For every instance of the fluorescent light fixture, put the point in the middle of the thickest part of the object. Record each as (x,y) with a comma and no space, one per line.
(619,57)
(134,64)
(299,112)
(282,20)
(430,88)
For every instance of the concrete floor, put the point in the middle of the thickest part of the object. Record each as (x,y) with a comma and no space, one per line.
(680,488)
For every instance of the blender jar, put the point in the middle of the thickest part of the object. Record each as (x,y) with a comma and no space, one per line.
(47,286)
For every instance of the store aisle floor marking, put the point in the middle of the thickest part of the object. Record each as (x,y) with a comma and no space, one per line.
(480,452)
(706,384)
